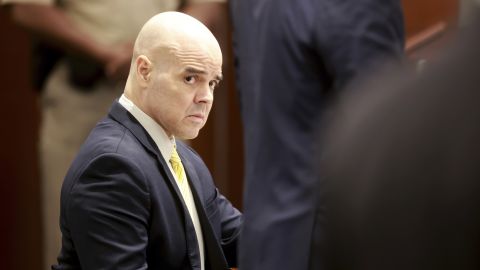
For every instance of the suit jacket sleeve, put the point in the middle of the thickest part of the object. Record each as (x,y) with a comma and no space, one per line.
(107,214)
(354,36)
(231,220)
(224,217)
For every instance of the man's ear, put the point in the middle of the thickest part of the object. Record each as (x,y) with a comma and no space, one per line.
(143,70)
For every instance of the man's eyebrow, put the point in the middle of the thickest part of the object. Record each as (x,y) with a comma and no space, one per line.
(195,70)
(202,72)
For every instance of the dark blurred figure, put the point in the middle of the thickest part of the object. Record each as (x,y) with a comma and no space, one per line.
(402,167)
(291,54)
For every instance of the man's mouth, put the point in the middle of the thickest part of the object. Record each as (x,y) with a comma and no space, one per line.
(198,117)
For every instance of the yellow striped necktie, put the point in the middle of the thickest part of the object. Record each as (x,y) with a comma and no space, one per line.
(177,165)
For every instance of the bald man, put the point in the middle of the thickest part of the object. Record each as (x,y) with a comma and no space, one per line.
(135,197)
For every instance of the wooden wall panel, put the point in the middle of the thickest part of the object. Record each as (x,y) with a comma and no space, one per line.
(19,179)
(420,14)
(429,25)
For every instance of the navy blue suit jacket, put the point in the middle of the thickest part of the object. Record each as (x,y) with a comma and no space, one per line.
(290,56)
(121,208)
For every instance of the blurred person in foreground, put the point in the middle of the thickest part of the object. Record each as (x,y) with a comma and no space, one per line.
(80,63)
(135,197)
(291,56)
(401,166)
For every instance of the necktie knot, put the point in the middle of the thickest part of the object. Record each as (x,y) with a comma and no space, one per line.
(177,165)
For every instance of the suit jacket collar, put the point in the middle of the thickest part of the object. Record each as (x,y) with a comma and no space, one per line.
(192,175)
(156,131)
(121,115)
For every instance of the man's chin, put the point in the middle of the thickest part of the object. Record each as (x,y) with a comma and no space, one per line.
(188,135)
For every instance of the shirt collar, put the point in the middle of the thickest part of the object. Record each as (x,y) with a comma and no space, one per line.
(158,134)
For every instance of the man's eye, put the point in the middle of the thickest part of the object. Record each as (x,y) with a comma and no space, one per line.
(213,84)
(190,79)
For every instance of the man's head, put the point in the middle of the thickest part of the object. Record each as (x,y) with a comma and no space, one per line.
(176,65)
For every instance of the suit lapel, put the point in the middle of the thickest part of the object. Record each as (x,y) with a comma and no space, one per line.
(214,257)
(193,179)
(121,115)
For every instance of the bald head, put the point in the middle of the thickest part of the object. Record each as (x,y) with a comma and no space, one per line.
(172,33)
(175,67)
(172,30)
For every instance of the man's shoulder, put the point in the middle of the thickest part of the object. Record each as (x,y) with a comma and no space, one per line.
(109,146)
(107,138)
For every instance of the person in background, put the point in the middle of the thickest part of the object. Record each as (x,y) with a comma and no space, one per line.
(467,11)
(135,196)
(291,56)
(401,163)
(80,61)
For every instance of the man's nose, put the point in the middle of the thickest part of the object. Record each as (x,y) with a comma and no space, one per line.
(204,94)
